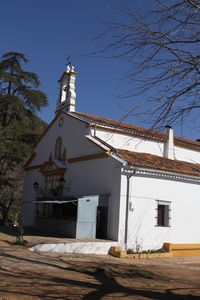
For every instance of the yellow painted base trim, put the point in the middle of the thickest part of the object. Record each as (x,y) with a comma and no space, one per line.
(117,252)
(183,249)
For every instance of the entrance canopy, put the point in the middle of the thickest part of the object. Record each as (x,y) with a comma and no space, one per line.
(57,199)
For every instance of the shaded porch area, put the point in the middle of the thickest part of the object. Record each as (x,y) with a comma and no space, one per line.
(72,216)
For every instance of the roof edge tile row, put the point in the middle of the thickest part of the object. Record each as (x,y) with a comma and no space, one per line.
(126,128)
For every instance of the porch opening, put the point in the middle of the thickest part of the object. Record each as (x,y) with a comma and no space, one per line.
(73,216)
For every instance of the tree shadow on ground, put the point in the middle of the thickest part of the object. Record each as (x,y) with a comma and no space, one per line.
(104,281)
(12,231)
(109,284)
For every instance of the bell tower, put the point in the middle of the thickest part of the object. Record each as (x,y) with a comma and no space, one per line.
(67,95)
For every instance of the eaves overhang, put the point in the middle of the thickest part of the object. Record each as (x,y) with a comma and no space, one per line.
(127,169)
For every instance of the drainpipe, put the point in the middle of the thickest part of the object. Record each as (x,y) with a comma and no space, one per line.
(127,207)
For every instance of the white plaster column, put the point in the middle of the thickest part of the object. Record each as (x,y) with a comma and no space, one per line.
(169,146)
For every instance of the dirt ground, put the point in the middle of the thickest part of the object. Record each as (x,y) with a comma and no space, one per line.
(28,275)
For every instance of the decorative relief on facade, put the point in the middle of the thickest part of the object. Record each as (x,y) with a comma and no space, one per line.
(58,148)
(50,157)
(61,121)
(64,156)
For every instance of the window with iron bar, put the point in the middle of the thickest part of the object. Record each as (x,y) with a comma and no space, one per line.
(163,210)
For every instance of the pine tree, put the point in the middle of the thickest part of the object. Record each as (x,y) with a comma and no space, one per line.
(18,88)
(20,97)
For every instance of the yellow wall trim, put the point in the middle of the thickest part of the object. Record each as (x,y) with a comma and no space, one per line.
(74,160)
(89,157)
(32,167)
(41,167)
(49,172)
(59,171)
(183,249)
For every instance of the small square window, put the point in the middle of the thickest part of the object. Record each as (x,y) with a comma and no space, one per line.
(163,214)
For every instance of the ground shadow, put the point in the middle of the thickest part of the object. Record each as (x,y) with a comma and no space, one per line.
(12,231)
(104,281)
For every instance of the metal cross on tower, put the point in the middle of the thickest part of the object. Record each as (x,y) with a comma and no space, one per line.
(68,62)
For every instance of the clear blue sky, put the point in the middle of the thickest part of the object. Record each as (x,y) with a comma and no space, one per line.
(48,30)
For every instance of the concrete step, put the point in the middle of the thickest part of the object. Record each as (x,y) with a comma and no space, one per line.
(77,247)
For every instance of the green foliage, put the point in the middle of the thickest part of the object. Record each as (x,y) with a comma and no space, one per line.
(20,97)
(4,181)
(18,88)
(160,250)
(16,144)
(20,243)
(13,215)
(5,205)
(20,231)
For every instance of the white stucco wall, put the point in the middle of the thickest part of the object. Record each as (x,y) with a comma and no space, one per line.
(90,177)
(103,176)
(73,134)
(188,155)
(28,198)
(73,138)
(142,229)
(96,176)
(130,143)
(99,176)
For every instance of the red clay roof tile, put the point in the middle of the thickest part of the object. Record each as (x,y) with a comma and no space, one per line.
(145,160)
(123,127)
(139,131)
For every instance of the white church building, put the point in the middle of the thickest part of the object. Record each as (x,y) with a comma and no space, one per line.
(93,177)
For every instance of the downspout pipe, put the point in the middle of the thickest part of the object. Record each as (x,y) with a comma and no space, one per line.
(128,176)
(127,208)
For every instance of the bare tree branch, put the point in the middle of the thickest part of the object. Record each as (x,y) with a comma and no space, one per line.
(162,48)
